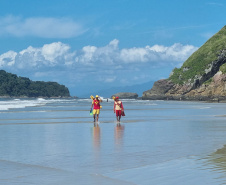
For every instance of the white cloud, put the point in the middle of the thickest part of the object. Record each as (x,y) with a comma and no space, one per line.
(55,51)
(157,53)
(134,55)
(106,63)
(107,55)
(111,54)
(59,54)
(178,52)
(44,27)
(50,55)
(8,58)
(87,55)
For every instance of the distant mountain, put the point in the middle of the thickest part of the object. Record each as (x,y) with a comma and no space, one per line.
(201,77)
(138,88)
(13,86)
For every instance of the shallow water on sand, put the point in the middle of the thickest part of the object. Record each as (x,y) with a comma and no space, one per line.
(158,142)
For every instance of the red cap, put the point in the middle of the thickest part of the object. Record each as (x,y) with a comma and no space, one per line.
(117,97)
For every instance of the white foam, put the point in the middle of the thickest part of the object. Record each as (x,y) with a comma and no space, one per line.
(20,103)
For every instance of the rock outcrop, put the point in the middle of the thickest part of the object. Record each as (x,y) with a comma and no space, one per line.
(202,76)
(126,95)
(214,90)
(158,91)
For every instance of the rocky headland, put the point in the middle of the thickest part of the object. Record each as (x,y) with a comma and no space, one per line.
(201,77)
(126,95)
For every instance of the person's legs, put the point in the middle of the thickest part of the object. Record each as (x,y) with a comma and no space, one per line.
(119,118)
(97,117)
(94,117)
(118,115)
(94,114)
(98,112)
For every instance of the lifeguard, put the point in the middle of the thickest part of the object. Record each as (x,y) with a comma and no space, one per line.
(96,108)
(118,108)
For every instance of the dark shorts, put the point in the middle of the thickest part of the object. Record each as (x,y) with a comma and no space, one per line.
(118,112)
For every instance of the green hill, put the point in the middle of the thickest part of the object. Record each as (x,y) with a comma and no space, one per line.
(201,77)
(14,86)
(200,60)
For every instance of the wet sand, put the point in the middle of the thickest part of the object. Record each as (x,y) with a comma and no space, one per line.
(156,143)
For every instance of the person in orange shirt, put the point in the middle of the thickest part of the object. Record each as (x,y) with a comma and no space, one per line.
(118,108)
(96,108)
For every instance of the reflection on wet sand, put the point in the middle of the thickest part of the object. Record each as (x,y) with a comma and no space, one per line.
(119,132)
(96,136)
(96,145)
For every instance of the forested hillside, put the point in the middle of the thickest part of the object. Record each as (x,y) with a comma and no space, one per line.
(12,85)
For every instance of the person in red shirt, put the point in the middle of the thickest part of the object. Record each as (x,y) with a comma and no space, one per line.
(118,108)
(96,108)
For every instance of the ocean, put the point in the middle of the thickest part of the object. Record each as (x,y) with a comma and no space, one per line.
(55,142)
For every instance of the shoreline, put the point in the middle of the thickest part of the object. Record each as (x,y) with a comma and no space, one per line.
(154,98)
(26,97)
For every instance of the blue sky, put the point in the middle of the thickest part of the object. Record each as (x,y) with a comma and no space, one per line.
(92,45)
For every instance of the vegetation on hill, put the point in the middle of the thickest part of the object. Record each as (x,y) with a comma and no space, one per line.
(201,59)
(12,85)
(223,68)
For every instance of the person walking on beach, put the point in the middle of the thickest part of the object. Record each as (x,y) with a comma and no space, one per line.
(118,108)
(96,108)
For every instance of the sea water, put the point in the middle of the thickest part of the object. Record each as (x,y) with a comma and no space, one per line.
(55,141)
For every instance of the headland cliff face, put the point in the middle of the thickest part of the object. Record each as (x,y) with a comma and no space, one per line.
(201,77)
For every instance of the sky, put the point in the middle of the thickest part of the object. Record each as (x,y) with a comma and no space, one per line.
(90,45)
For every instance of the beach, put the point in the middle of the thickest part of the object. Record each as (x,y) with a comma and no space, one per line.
(54,141)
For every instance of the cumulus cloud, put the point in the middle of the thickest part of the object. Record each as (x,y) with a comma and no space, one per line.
(157,53)
(111,54)
(50,55)
(103,55)
(44,27)
(57,53)
(103,62)
(8,58)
